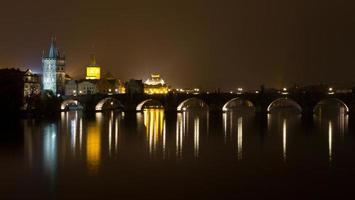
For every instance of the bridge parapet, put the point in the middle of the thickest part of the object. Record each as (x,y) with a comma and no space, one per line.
(215,101)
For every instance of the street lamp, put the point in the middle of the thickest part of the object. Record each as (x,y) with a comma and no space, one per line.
(284,91)
(330,91)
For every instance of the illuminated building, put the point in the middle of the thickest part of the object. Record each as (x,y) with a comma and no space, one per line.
(53,70)
(32,85)
(31,88)
(93,71)
(86,87)
(81,87)
(155,85)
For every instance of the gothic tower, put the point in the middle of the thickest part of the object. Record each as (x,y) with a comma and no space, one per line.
(53,69)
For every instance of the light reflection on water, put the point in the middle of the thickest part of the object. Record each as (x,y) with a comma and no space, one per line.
(334,125)
(103,143)
(93,139)
(154,122)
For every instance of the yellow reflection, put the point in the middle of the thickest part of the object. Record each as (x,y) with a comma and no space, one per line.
(240,138)
(179,136)
(93,146)
(80,135)
(154,121)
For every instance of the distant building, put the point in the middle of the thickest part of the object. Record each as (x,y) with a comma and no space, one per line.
(87,87)
(32,84)
(134,87)
(110,85)
(18,89)
(80,87)
(53,65)
(155,85)
(93,71)
(71,88)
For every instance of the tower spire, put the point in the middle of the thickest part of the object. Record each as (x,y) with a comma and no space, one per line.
(52,53)
(93,60)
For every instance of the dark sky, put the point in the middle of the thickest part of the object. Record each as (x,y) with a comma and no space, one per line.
(205,43)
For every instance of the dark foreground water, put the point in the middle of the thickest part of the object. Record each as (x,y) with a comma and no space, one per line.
(191,155)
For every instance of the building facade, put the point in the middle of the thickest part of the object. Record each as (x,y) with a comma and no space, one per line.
(81,87)
(87,87)
(134,86)
(155,85)
(53,66)
(93,71)
(32,84)
(109,85)
(71,88)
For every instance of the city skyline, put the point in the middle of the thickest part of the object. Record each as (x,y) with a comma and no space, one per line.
(206,45)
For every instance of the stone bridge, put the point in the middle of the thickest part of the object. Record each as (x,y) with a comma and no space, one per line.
(305,103)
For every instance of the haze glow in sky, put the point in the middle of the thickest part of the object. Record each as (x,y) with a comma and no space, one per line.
(207,44)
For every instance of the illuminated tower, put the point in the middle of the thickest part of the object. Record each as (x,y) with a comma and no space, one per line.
(49,67)
(53,69)
(93,70)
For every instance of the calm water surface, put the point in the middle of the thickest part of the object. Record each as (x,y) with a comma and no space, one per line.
(189,155)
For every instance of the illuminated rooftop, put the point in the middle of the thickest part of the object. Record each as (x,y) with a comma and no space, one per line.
(154,79)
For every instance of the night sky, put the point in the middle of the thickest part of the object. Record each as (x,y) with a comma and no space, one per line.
(207,44)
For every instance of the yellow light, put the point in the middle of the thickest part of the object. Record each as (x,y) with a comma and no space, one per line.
(93,148)
(93,72)
(156,90)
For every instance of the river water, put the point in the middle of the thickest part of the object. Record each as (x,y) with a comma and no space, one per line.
(189,155)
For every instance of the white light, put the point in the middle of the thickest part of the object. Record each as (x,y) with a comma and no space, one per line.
(330,90)
(284,91)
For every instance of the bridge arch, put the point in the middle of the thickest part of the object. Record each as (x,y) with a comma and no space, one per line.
(108,103)
(284,103)
(237,102)
(149,103)
(190,102)
(336,100)
(65,105)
